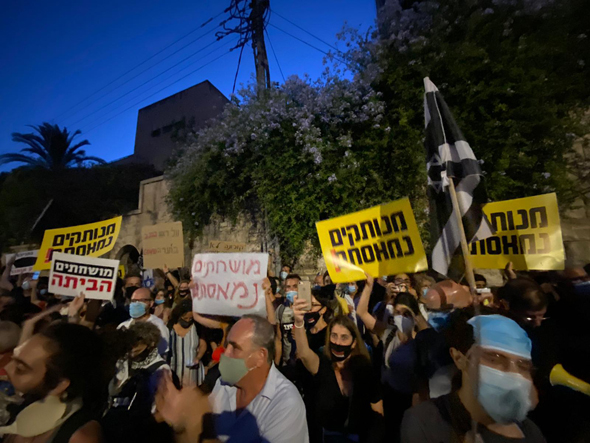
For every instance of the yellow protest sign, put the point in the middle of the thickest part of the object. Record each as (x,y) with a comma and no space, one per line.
(382,240)
(93,239)
(528,234)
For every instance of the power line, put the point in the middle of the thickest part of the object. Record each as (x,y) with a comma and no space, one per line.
(156,85)
(308,44)
(142,63)
(307,32)
(160,90)
(238,69)
(144,83)
(274,53)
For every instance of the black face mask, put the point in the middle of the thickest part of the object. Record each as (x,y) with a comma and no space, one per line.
(130,290)
(311,319)
(346,349)
(183,293)
(185,324)
(143,354)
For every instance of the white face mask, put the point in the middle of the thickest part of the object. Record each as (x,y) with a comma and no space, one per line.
(404,324)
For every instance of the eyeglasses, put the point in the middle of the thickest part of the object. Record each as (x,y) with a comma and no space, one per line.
(505,363)
(401,281)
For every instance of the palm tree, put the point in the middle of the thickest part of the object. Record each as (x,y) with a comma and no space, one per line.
(51,149)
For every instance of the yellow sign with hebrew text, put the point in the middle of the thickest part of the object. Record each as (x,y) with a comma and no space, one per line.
(528,234)
(93,239)
(381,240)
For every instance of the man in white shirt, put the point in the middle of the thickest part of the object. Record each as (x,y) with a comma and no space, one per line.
(252,402)
(139,310)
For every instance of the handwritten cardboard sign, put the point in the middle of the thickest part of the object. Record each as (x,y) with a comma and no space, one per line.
(528,234)
(229,284)
(225,246)
(72,274)
(163,244)
(24,262)
(93,239)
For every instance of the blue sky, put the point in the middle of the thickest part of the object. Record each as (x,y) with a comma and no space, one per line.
(56,54)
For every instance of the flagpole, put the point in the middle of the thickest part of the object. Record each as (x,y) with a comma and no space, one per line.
(464,246)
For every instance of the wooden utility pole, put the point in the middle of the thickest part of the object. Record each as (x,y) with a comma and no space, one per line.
(258,10)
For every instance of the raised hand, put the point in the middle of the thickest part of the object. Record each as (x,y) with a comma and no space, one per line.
(76,305)
(300,308)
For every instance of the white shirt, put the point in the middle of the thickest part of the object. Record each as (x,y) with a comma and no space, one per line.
(278,410)
(164,332)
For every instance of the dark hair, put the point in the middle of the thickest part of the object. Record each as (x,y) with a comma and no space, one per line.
(274,284)
(75,354)
(131,275)
(407,299)
(264,334)
(287,266)
(291,276)
(523,294)
(345,321)
(179,310)
(479,277)
(145,333)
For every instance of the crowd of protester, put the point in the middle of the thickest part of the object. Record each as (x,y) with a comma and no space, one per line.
(400,358)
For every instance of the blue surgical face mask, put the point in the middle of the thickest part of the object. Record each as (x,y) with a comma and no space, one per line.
(26,285)
(316,287)
(351,289)
(159,301)
(438,320)
(283,275)
(424,291)
(42,291)
(291,296)
(137,309)
(505,396)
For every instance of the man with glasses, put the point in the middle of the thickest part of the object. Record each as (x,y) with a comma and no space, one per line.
(139,309)
(525,299)
(493,355)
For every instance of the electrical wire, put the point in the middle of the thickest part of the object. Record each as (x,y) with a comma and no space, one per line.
(307,32)
(274,53)
(160,90)
(308,44)
(62,115)
(144,83)
(238,69)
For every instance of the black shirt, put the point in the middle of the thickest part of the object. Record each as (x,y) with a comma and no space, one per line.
(443,419)
(338,413)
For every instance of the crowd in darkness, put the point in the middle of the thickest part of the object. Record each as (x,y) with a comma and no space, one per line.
(401,358)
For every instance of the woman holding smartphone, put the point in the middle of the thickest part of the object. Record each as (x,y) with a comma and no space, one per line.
(347,404)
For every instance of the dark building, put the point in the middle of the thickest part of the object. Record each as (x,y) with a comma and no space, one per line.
(160,121)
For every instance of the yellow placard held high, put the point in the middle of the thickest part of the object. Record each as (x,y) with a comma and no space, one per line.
(528,234)
(382,240)
(93,239)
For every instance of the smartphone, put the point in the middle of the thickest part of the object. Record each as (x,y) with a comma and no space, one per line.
(35,275)
(304,293)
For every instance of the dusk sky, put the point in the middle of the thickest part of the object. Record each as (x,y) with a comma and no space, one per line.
(56,54)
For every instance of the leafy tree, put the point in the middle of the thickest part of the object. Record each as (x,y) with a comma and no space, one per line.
(301,152)
(513,72)
(78,195)
(51,148)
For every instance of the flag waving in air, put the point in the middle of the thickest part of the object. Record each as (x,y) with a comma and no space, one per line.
(449,157)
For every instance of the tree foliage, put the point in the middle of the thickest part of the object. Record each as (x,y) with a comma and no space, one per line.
(80,195)
(51,148)
(512,72)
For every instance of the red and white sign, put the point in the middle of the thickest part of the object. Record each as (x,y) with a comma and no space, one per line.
(229,284)
(73,274)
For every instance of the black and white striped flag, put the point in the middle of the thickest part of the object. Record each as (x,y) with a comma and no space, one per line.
(449,157)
